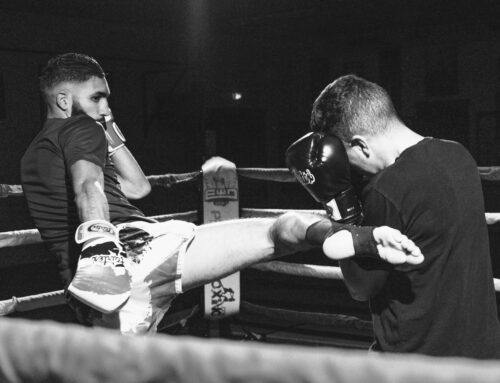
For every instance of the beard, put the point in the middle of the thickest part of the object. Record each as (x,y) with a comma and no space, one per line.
(76,109)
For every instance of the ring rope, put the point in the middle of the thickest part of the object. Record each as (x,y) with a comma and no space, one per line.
(32,236)
(45,351)
(10,190)
(189,216)
(56,298)
(265,213)
(300,270)
(282,316)
(20,237)
(168,180)
(267,174)
(296,269)
(32,302)
(489,173)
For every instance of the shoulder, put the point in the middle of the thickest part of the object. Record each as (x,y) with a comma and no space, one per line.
(445,147)
(451,154)
(81,121)
(382,190)
(81,126)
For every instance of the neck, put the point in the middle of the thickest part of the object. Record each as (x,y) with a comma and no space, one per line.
(398,138)
(55,112)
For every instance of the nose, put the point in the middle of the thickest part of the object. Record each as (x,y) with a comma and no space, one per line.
(104,109)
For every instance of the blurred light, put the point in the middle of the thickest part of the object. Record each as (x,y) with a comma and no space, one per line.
(236,96)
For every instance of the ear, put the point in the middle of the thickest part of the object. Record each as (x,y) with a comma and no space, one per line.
(360,143)
(64,101)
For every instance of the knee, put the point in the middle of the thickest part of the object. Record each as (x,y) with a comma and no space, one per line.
(289,229)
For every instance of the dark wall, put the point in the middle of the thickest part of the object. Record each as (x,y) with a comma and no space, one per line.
(173,66)
(172,62)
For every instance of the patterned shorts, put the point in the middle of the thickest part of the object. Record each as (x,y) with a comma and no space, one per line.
(157,251)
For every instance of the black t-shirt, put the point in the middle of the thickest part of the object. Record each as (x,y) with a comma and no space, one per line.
(47,184)
(445,306)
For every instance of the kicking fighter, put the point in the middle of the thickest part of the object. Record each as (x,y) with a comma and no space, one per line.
(122,269)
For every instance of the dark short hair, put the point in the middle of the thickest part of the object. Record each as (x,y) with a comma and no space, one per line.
(352,105)
(69,67)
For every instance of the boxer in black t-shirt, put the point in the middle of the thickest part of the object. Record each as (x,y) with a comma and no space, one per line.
(430,190)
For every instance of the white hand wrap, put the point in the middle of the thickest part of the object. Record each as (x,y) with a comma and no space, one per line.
(103,274)
(115,137)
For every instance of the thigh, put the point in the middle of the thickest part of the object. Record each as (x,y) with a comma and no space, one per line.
(222,248)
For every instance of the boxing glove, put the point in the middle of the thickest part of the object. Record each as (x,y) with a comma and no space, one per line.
(115,137)
(320,164)
(103,275)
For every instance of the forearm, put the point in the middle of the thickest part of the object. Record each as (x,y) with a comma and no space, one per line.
(298,232)
(132,180)
(342,241)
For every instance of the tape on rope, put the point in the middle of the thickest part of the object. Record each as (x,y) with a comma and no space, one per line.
(489,173)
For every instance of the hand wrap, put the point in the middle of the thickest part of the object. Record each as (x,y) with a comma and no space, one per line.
(115,137)
(103,275)
(362,236)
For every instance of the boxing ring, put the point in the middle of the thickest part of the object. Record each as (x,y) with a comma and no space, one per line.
(44,351)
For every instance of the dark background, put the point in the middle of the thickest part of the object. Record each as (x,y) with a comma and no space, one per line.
(173,66)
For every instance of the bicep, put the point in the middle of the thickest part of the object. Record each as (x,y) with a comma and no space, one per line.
(88,185)
(84,174)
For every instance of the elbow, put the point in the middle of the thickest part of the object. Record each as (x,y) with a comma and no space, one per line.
(361,296)
(287,230)
(145,189)
(138,191)
(362,293)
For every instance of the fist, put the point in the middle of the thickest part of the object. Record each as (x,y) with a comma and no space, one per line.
(103,275)
(115,137)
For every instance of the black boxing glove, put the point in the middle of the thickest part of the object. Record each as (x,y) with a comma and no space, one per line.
(320,164)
